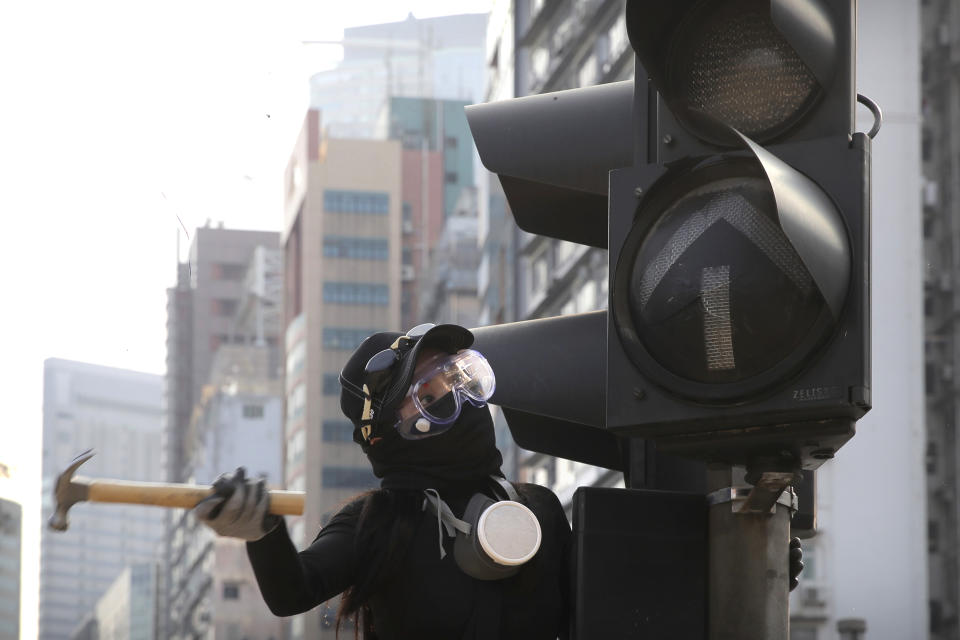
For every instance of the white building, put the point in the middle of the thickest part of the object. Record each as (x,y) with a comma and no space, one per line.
(119,414)
(127,611)
(10,550)
(869,559)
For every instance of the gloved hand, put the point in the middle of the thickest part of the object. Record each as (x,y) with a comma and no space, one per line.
(238,507)
(796,562)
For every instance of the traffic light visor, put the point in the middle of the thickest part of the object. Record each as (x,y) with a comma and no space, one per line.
(712,295)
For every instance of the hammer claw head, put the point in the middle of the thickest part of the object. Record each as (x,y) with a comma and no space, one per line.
(66,493)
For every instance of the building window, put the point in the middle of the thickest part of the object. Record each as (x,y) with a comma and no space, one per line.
(362,202)
(931,457)
(539,274)
(802,633)
(450,142)
(356,293)
(347,478)
(936,616)
(357,248)
(296,401)
(223,306)
(451,177)
(337,431)
(407,223)
(296,445)
(345,339)
(933,536)
(930,378)
(331,384)
(253,411)
(231,591)
(229,271)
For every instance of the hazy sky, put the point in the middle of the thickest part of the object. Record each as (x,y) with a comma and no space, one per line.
(116,118)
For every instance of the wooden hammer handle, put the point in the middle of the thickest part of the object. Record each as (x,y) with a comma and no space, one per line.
(185,496)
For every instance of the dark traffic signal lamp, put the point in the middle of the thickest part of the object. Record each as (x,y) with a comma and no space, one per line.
(733,196)
(739,254)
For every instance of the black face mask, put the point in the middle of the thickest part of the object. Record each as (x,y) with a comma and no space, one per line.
(462,456)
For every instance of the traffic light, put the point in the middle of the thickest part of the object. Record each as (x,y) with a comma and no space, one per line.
(733,196)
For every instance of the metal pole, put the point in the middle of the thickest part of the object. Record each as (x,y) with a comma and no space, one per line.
(749,537)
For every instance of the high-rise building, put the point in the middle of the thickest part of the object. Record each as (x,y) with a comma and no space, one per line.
(342,247)
(127,610)
(238,422)
(438,58)
(119,414)
(202,314)
(11,535)
(842,579)
(438,179)
(227,294)
(940,154)
(449,288)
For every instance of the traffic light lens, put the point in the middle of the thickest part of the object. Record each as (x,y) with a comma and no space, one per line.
(717,294)
(731,63)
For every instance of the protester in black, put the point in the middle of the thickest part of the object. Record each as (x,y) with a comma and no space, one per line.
(389,552)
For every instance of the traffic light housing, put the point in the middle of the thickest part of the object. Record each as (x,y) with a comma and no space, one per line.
(737,223)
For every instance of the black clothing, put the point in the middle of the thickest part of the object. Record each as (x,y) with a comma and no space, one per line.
(450,459)
(429,597)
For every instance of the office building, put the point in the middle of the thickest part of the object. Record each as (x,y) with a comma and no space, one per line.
(128,609)
(202,314)
(238,422)
(438,181)
(11,536)
(226,293)
(940,155)
(439,58)
(450,285)
(342,250)
(119,415)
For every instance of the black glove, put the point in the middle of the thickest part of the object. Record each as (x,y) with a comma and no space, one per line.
(239,507)
(796,562)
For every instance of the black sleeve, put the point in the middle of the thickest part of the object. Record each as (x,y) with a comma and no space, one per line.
(292,582)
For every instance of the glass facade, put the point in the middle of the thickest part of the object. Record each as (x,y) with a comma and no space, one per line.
(364,202)
(331,384)
(356,248)
(356,293)
(343,338)
(337,431)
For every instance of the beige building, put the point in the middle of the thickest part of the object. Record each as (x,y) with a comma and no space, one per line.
(342,252)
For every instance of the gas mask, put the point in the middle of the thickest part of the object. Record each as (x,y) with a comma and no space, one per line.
(494,538)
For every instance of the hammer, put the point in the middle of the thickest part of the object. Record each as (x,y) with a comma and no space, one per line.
(68,490)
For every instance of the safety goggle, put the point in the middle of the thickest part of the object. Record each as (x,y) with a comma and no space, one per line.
(441,386)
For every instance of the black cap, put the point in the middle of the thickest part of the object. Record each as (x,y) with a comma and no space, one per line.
(445,337)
